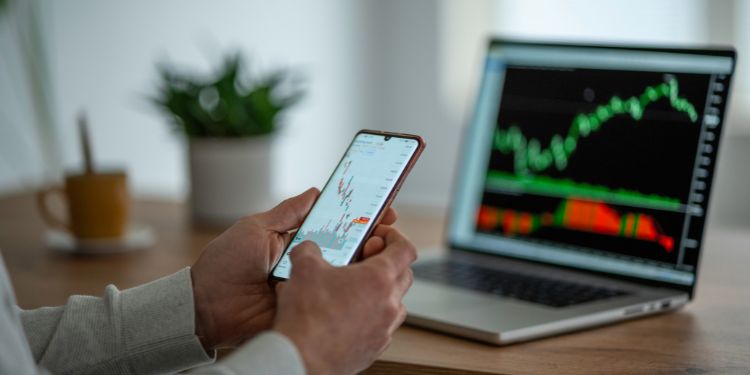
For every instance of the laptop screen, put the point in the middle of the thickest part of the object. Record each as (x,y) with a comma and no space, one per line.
(598,158)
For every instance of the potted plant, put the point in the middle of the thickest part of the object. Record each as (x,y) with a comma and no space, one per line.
(229,120)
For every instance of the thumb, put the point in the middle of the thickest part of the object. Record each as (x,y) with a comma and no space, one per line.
(307,251)
(289,214)
(305,257)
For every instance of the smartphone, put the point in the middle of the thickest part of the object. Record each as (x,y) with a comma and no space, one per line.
(354,199)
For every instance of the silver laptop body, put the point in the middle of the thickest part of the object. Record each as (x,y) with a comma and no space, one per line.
(582,191)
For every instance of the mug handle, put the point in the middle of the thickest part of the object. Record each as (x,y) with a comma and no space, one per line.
(49,218)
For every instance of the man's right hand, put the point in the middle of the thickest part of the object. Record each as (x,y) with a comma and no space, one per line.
(342,319)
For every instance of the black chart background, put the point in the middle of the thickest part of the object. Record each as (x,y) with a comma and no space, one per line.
(654,155)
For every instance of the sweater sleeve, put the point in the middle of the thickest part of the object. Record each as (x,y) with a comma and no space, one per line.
(144,330)
(268,353)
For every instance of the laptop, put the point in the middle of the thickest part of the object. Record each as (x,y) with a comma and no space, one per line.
(582,190)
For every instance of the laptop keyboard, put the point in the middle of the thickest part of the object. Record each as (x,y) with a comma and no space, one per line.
(546,291)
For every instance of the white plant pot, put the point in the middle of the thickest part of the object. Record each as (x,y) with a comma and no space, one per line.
(230,178)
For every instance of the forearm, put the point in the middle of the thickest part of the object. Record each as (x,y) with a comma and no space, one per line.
(147,329)
(144,330)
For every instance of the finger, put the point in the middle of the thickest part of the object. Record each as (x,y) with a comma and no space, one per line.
(373,246)
(399,253)
(398,321)
(289,214)
(304,257)
(286,238)
(376,243)
(403,282)
(381,230)
(279,288)
(389,217)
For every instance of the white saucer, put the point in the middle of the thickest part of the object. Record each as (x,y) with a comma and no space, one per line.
(137,238)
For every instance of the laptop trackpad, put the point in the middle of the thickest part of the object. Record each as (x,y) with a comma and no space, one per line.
(466,308)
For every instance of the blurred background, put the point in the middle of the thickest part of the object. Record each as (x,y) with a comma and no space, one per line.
(408,66)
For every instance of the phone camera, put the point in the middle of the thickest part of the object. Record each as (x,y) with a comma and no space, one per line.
(387,138)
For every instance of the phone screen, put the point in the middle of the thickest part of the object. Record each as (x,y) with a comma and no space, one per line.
(353,198)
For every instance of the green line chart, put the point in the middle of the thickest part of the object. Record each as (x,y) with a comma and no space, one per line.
(567,188)
(531,157)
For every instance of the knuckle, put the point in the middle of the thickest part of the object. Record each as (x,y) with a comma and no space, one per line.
(401,311)
(384,340)
(392,310)
(411,250)
(409,277)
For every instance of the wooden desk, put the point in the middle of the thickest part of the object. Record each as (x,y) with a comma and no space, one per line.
(711,335)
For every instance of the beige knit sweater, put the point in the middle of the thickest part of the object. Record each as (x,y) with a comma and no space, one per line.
(144,330)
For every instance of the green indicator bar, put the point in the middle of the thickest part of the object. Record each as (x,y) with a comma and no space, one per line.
(567,188)
(536,222)
(635,224)
(622,226)
(560,213)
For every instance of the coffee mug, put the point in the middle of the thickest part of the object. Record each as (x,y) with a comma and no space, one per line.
(98,205)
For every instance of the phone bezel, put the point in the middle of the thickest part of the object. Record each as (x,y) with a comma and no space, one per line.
(389,200)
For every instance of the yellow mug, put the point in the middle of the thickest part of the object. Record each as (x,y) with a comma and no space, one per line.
(98,205)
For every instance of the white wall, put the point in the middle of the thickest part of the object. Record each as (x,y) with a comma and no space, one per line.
(371,64)
(386,64)
(104,57)
(402,91)
(20,161)
(663,22)
(25,121)
(645,21)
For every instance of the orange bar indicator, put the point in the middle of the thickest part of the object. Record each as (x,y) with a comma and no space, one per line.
(361,220)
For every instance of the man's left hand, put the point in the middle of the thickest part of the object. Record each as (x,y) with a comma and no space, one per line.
(233,299)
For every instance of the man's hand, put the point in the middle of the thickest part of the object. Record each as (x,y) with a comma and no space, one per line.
(341,319)
(233,300)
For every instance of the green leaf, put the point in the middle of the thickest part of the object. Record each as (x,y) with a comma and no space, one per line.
(234,104)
